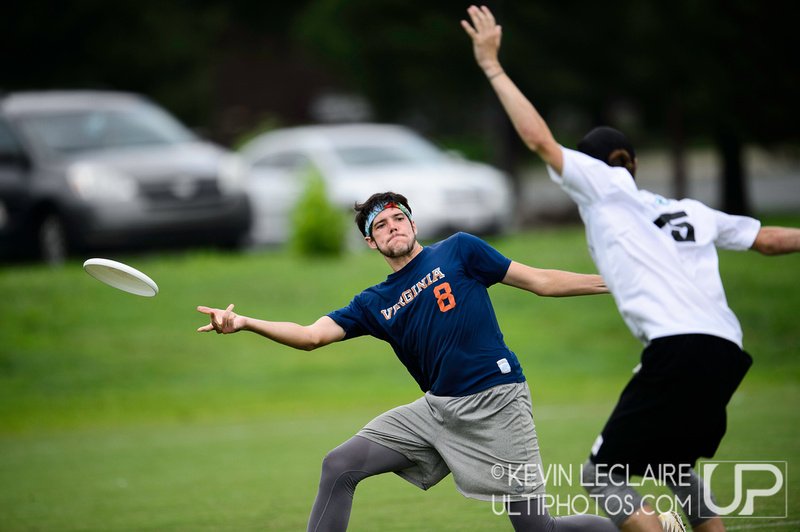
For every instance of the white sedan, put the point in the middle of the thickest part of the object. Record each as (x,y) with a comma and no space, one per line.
(446,192)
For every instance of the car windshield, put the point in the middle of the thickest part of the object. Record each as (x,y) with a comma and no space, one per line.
(407,151)
(85,130)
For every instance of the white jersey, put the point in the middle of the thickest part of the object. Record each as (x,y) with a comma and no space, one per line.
(658,256)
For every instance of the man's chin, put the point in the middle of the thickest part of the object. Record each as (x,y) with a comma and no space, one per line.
(395,249)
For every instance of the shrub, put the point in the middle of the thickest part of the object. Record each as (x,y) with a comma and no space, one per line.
(318,225)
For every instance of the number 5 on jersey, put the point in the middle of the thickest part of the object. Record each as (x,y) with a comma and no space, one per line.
(444,297)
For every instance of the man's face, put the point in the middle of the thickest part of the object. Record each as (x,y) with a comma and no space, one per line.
(393,234)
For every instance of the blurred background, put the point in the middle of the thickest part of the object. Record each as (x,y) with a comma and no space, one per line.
(252,125)
(707,91)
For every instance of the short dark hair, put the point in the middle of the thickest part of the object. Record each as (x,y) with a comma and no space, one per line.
(610,146)
(363,209)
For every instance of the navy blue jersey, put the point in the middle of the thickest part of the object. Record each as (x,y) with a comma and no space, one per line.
(437,316)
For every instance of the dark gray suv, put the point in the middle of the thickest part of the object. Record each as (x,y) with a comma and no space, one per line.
(83,170)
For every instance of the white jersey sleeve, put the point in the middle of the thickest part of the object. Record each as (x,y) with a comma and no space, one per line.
(735,232)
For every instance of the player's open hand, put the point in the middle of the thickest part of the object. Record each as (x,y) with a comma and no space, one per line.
(485,35)
(222,321)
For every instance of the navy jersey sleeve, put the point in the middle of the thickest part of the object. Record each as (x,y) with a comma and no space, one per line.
(351,319)
(481,261)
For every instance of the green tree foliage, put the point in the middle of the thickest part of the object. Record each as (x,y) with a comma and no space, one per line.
(718,72)
(713,71)
(165,50)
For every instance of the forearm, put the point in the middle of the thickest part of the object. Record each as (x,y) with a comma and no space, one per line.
(557,283)
(527,121)
(553,283)
(322,332)
(777,240)
(283,332)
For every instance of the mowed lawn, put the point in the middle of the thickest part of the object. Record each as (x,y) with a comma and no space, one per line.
(116,415)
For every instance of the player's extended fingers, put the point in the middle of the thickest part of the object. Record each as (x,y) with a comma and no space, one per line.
(476,16)
(206,328)
(227,318)
(212,314)
(469,29)
(488,15)
(482,18)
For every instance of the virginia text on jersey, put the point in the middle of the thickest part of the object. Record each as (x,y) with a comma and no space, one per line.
(408,295)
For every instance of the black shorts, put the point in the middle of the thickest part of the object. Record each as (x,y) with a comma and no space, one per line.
(673,409)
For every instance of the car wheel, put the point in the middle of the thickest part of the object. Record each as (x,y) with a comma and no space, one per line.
(52,240)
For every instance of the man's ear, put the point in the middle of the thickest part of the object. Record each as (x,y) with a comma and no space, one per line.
(370,242)
(414,227)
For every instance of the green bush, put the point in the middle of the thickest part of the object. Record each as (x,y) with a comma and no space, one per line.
(318,226)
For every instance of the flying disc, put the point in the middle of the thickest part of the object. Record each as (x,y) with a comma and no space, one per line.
(121,276)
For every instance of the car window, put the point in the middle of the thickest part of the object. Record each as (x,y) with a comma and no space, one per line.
(84,130)
(408,151)
(9,146)
(287,161)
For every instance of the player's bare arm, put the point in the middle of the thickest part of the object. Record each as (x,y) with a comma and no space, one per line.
(531,127)
(773,240)
(306,337)
(553,283)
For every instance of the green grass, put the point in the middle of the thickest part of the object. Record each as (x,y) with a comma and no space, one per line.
(116,415)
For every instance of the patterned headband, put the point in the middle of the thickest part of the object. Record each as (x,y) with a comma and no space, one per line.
(379,208)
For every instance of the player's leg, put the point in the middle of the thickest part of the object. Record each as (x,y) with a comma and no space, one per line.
(494,423)
(342,469)
(633,437)
(531,515)
(624,505)
(700,516)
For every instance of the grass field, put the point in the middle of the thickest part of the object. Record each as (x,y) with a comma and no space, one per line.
(116,415)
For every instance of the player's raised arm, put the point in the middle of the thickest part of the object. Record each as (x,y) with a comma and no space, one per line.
(531,127)
(307,337)
(553,283)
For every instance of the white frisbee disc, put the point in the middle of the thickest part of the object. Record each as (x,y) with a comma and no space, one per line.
(121,276)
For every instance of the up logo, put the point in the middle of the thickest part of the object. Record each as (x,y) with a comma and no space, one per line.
(762,486)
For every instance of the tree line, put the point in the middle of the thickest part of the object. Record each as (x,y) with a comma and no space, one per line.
(674,74)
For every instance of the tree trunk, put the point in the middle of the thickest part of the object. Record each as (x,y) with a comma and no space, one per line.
(734,186)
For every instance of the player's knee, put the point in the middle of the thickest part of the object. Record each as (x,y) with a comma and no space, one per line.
(612,491)
(340,469)
(589,476)
(336,462)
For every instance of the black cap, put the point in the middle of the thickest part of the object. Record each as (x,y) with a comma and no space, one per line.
(601,142)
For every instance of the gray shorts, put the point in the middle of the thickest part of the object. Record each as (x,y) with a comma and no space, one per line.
(487,440)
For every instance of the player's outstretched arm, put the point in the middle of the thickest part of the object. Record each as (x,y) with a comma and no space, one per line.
(773,240)
(531,127)
(307,337)
(553,283)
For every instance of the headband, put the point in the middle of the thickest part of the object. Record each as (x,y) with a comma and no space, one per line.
(379,208)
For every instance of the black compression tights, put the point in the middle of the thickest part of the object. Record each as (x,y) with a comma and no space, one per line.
(358,458)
